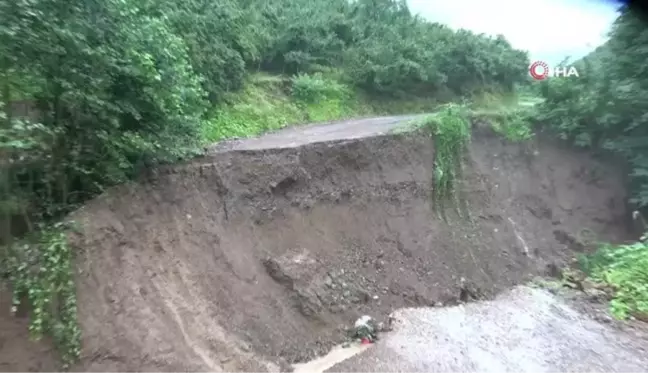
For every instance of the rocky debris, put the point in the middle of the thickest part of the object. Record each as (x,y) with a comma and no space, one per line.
(470,339)
(469,291)
(596,292)
(553,270)
(342,289)
(315,289)
(573,279)
(577,281)
(295,270)
(366,330)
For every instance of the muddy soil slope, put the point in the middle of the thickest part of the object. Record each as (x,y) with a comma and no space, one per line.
(260,253)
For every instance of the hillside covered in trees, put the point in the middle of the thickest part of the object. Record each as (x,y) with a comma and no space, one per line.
(120,84)
(604,109)
(93,92)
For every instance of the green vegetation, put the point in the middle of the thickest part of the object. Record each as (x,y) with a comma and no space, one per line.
(260,106)
(624,268)
(92,92)
(450,130)
(451,133)
(510,115)
(514,127)
(39,268)
(267,103)
(604,110)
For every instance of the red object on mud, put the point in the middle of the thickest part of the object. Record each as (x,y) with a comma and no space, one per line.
(365,341)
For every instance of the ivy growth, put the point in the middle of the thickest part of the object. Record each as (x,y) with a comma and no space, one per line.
(40,271)
(451,131)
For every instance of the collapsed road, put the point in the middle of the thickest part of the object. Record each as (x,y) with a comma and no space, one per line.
(259,254)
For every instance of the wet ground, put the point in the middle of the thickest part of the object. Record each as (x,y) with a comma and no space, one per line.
(523,330)
(337,355)
(319,132)
(174,274)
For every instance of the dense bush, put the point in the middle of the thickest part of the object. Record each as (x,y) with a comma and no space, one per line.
(121,84)
(604,108)
(383,48)
(313,88)
(111,93)
(624,269)
(114,87)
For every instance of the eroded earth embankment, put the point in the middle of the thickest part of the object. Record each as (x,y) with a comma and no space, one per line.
(260,254)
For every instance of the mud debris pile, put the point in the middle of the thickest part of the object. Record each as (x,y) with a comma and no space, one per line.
(256,258)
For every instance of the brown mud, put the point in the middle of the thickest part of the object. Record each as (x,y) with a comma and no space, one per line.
(255,258)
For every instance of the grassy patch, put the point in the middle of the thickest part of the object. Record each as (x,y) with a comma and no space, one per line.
(625,269)
(261,106)
(508,114)
(451,132)
(416,123)
(513,126)
(269,103)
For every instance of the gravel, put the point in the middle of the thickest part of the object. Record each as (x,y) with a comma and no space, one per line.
(523,330)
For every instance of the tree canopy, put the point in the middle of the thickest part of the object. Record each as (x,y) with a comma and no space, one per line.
(118,85)
(604,107)
(122,83)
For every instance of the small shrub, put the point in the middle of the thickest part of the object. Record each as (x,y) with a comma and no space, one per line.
(311,89)
(625,269)
(40,269)
(451,132)
(258,108)
(514,127)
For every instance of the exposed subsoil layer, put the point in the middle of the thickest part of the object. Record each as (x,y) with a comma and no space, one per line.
(261,253)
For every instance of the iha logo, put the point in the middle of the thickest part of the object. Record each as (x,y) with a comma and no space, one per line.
(540,71)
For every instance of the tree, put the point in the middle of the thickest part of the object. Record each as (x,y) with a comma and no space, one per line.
(605,108)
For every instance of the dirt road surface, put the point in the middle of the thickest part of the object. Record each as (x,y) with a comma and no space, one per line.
(319,132)
(523,330)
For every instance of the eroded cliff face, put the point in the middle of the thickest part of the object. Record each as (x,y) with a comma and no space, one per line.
(253,259)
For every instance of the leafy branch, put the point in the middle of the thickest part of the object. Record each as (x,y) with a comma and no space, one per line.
(40,270)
